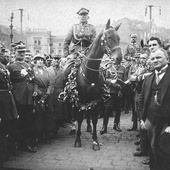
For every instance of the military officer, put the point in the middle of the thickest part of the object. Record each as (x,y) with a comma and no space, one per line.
(8,116)
(81,34)
(115,77)
(21,76)
(132,51)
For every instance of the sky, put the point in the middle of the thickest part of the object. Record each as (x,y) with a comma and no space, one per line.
(58,16)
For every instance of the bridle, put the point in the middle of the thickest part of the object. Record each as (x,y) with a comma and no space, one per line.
(108,52)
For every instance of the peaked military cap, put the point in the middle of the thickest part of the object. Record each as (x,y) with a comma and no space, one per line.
(20,48)
(133,35)
(57,57)
(83,11)
(28,52)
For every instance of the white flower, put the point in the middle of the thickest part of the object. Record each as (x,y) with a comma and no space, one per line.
(24,72)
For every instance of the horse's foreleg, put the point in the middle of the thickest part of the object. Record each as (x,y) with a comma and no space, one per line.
(79,120)
(89,128)
(96,145)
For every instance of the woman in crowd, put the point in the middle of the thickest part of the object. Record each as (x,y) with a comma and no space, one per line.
(42,102)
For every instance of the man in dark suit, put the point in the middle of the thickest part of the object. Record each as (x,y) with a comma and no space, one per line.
(154,105)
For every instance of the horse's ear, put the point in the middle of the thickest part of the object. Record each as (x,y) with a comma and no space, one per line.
(108,24)
(117,27)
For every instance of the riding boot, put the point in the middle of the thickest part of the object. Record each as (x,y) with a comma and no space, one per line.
(116,127)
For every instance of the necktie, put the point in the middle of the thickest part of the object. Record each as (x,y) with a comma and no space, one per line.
(157,77)
(157,74)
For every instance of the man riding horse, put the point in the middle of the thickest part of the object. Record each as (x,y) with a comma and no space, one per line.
(84,85)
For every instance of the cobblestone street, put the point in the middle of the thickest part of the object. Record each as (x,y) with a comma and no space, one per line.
(116,151)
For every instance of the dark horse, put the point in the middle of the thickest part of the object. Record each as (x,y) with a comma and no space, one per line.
(89,81)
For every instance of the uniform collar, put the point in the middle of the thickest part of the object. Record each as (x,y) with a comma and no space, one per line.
(83,24)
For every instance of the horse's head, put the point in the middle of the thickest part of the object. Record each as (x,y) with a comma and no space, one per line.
(110,42)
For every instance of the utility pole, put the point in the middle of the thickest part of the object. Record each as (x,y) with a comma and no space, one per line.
(50,43)
(150,16)
(21,15)
(11,27)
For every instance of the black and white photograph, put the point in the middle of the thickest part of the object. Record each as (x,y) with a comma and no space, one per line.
(84,85)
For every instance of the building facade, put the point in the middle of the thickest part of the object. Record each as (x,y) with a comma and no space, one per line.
(41,41)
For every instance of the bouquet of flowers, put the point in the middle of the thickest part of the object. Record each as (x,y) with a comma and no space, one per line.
(28,74)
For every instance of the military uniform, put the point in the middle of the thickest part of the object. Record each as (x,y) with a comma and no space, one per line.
(21,76)
(116,71)
(81,35)
(131,50)
(8,115)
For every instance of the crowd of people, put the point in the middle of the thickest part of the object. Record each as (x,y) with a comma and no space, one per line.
(29,85)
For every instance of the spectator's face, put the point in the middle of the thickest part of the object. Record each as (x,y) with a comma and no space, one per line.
(56,61)
(153,45)
(39,62)
(143,58)
(158,59)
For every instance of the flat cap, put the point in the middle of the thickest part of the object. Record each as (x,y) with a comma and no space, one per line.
(83,11)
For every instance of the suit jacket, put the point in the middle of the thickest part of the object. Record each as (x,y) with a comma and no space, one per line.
(165,96)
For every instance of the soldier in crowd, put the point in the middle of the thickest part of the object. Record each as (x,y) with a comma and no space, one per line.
(133,71)
(138,77)
(43,105)
(22,82)
(60,113)
(132,50)
(115,77)
(8,116)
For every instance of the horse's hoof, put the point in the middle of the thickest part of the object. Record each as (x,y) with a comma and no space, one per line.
(72,132)
(77,143)
(103,131)
(96,146)
(89,128)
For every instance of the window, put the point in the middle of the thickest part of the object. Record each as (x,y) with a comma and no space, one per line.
(37,41)
(37,51)
(59,44)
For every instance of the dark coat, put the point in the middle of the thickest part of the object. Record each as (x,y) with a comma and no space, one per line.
(60,109)
(22,85)
(165,96)
(7,104)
